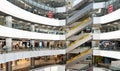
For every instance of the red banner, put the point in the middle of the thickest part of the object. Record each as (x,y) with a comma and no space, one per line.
(50,14)
(110,9)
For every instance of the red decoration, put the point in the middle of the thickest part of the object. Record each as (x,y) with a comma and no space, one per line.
(110,9)
(50,14)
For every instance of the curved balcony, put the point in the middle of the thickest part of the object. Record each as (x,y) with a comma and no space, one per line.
(6,57)
(8,8)
(107,36)
(107,18)
(15,33)
(104,53)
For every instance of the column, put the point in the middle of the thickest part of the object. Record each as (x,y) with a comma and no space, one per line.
(8,66)
(95,43)
(32,63)
(119,26)
(32,41)
(0,66)
(32,28)
(8,20)
(9,44)
(96,29)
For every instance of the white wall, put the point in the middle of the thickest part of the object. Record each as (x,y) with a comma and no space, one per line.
(107,36)
(15,33)
(104,53)
(27,54)
(115,15)
(15,11)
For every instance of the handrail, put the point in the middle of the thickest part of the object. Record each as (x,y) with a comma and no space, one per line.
(84,35)
(80,23)
(80,55)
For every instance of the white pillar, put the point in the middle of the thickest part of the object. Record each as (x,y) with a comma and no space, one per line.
(9,44)
(32,28)
(95,43)
(96,29)
(8,20)
(32,41)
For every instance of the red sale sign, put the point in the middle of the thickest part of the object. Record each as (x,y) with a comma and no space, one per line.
(110,9)
(50,14)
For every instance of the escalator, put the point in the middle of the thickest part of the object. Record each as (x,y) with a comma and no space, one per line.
(81,56)
(79,26)
(80,13)
(84,38)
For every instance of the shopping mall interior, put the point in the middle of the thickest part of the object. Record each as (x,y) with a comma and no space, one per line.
(59,35)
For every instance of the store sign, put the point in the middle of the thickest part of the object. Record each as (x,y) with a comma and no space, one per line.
(110,8)
(50,14)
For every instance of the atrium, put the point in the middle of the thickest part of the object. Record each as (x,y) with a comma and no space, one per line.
(59,35)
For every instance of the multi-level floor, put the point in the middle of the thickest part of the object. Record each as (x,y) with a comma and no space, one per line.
(75,34)
(106,54)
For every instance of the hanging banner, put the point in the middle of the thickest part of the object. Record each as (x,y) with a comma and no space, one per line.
(110,8)
(50,14)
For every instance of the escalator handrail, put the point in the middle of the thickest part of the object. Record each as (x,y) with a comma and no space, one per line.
(80,23)
(80,55)
(84,35)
